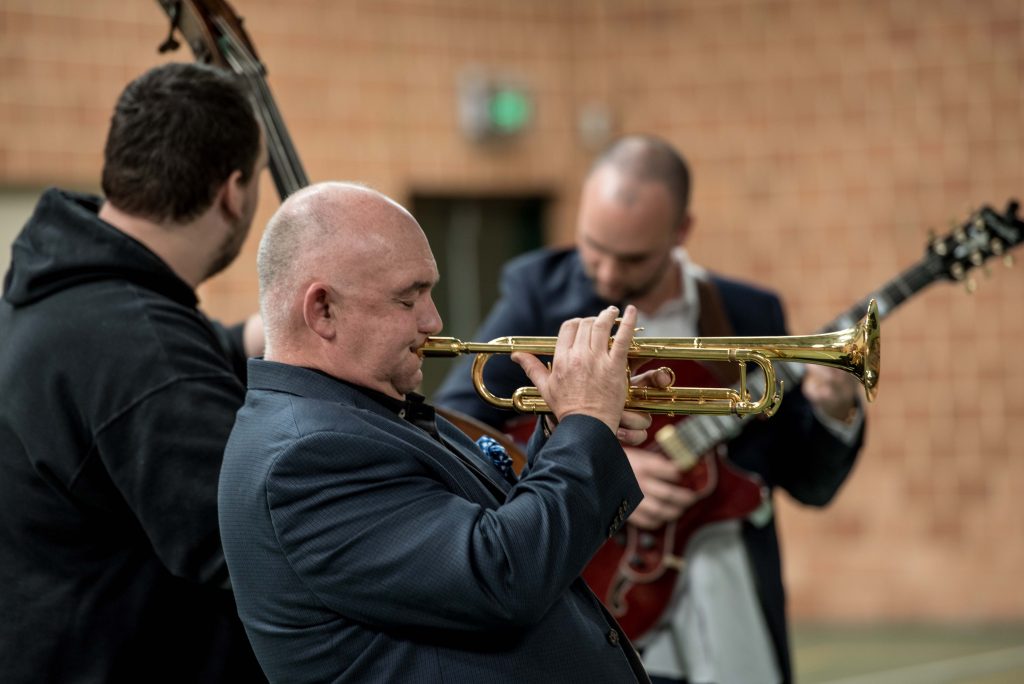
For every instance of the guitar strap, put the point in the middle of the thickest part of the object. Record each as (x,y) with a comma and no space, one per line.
(715,630)
(714,322)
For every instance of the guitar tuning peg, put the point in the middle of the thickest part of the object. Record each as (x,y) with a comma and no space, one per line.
(938,245)
(997,248)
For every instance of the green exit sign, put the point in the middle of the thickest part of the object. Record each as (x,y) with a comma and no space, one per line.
(509,110)
(493,106)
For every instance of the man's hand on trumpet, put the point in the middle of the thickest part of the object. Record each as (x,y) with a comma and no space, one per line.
(587,376)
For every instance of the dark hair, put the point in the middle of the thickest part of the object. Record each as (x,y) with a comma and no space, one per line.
(177,133)
(649,158)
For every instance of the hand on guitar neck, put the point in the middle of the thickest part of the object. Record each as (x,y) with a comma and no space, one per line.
(832,392)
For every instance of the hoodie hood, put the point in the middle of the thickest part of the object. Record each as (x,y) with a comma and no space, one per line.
(65,244)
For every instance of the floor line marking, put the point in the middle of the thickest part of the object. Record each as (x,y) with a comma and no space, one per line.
(948,671)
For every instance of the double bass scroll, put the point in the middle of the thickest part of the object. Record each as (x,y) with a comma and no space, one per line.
(215,34)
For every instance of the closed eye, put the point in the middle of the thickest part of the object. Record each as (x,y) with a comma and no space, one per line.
(409,295)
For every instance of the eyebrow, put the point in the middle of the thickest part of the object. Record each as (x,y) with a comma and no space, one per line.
(622,256)
(417,286)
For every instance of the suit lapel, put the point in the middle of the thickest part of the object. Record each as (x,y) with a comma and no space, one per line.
(450,447)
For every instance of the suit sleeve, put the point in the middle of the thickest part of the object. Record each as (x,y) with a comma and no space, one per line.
(383,540)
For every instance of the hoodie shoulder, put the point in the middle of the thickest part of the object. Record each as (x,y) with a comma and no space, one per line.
(65,244)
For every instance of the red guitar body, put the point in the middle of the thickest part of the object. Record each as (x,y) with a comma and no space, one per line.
(635,572)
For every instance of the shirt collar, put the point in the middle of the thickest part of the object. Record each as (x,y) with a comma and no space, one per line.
(413,408)
(677,317)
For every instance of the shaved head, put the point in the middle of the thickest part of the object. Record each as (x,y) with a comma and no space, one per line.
(336,260)
(647,158)
(328,229)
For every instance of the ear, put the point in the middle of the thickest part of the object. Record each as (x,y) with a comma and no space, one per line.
(320,310)
(684,228)
(233,195)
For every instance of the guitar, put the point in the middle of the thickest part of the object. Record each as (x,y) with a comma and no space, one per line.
(214,32)
(635,573)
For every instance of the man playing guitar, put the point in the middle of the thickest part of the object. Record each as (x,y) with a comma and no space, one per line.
(725,621)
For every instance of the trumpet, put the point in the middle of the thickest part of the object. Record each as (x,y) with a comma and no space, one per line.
(856,350)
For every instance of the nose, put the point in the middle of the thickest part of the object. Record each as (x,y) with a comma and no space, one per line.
(607,271)
(430,320)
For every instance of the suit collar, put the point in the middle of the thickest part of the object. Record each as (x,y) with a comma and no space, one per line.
(309,383)
(315,384)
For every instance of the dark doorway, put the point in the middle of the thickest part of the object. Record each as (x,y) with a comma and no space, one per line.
(472,237)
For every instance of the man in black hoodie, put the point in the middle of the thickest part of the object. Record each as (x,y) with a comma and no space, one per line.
(118,397)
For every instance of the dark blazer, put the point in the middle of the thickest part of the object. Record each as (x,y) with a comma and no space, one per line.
(362,549)
(792,450)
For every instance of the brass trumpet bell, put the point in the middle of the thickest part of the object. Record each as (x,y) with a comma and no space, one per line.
(856,350)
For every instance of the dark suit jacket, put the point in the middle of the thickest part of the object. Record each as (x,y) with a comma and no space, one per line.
(362,549)
(792,450)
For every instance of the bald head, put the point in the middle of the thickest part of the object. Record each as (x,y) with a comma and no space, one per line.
(639,159)
(339,212)
(336,232)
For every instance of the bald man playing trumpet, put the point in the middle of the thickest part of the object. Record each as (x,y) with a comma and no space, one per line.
(370,540)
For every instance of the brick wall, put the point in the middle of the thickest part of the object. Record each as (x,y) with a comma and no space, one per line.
(826,138)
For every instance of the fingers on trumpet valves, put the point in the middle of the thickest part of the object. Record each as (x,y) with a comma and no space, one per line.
(656,378)
(636,329)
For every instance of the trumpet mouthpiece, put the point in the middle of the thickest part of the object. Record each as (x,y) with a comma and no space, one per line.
(441,347)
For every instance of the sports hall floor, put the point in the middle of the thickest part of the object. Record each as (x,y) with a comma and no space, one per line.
(909,654)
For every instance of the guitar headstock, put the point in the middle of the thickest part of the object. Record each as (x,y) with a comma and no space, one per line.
(984,235)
